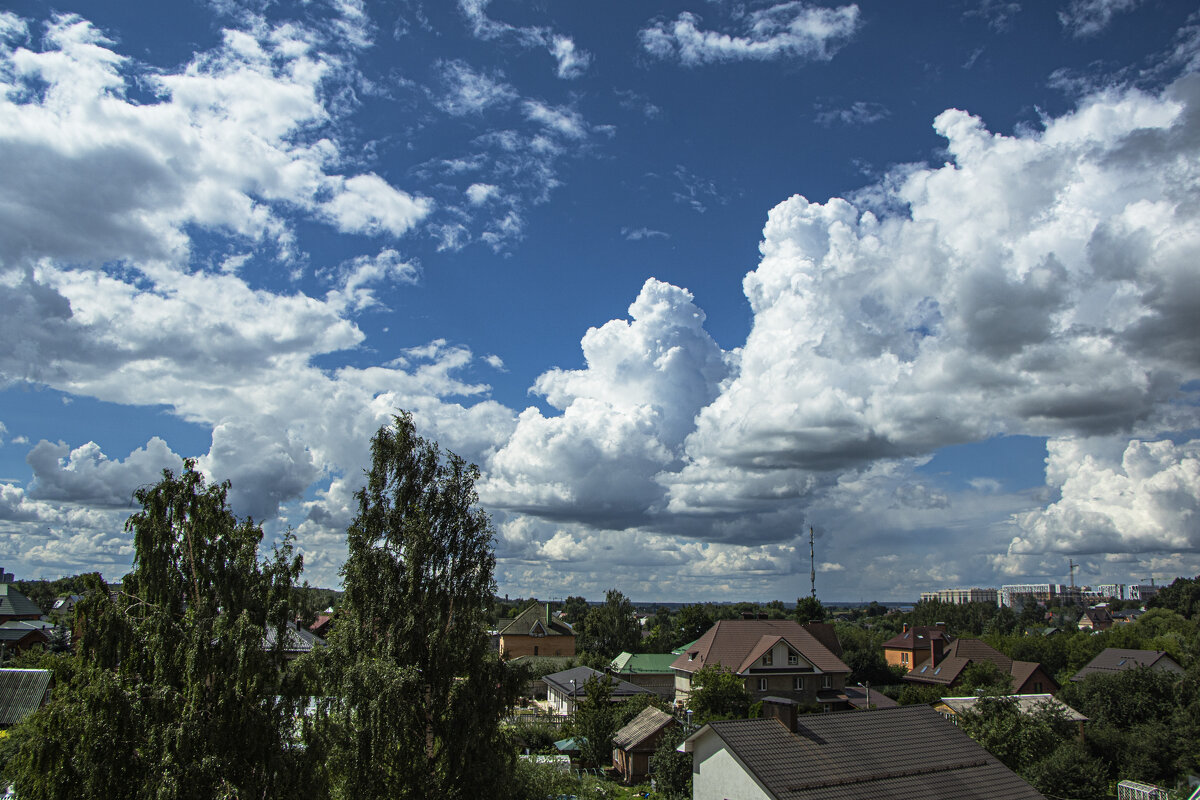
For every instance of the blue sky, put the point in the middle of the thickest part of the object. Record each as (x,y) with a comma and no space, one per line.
(682,278)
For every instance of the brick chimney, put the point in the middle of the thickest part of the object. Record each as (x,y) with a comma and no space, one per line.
(936,644)
(905,628)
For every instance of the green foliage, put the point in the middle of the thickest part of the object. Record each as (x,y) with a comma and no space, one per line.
(415,695)
(596,721)
(671,769)
(984,677)
(718,693)
(612,628)
(692,622)
(914,694)
(1041,747)
(809,609)
(170,692)
(862,652)
(576,610)
(539,781)
(629,708)
(1182,597)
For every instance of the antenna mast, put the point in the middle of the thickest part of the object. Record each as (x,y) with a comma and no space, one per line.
(1072,566)
(812,560)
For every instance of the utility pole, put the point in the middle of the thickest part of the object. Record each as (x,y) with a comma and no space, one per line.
(812,560)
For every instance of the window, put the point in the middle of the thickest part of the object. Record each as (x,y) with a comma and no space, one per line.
(535,649)
(904,658)
(768,659)
(798,683)
(762,684)
(826,681)
(1037,687)
(793,659)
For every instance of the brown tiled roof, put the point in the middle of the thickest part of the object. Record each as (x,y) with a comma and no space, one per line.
(909,751)
(642,727)
(944,672)
(826,634)
(731,641)
(1023,671)
(531,618)
(960,654)
(979,650)
(1117,659)
(857,697)
(917,638)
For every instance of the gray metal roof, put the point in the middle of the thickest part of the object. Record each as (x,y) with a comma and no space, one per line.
(22,692)
(562,681)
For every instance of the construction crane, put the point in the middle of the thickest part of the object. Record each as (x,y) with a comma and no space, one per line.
(1072,566)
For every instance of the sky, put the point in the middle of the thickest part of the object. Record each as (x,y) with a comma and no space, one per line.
(685,279)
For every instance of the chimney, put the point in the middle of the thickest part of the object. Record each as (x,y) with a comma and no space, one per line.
(781,709)
(905,628)
(935,649)
(941,626)
(547,615)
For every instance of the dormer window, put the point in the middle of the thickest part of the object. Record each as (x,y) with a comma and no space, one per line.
(793,659)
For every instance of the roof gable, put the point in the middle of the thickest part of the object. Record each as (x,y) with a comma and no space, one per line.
(731,641)
(650,721)
(22,691)
(533,619)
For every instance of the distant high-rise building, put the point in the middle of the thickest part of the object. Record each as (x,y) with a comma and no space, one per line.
(1143,592)
(1018,594)
(1112,591)
(960,596)
(6,577)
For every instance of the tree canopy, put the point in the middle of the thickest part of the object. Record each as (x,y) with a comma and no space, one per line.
(171,691)
(612,628)
(415,693)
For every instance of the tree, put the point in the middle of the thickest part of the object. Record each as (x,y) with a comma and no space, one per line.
(718,693)
(416,694)
(809,609)
(612,628)
(575,609)
(984,677)
(671,769)
(170,692)
(596,721)
(692,622)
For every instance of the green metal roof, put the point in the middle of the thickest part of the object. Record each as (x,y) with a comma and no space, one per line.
(643,663)
(21,693)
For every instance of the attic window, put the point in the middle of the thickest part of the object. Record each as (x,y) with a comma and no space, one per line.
(1121,663)
(924,668)
(768,659)
(793,659)
(936,671)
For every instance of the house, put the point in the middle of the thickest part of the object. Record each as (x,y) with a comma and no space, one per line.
(538,666)
(636,742)
(1116,659)
(19,639)
(774,657)
(1095,619)
(649,670)
(908,751)
(951,707)
(65,604)
(914,645)
(321,626)
(537,632)
(862,698)
(297,641)
(566,689)
(22,691)
(946,667)
(16,606)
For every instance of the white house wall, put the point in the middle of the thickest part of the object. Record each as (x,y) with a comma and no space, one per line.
(721,776)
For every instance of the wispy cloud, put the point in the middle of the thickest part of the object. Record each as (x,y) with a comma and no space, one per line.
(1084,18)
(788,30)
(465,91)
(857,113)
(571,61)
(638,234)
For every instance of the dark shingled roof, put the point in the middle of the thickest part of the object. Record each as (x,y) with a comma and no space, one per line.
(732,642)
(1116,659)
(910,751)
(534,618)
(916,638)
(562,682)
(642,727)
(22,691)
